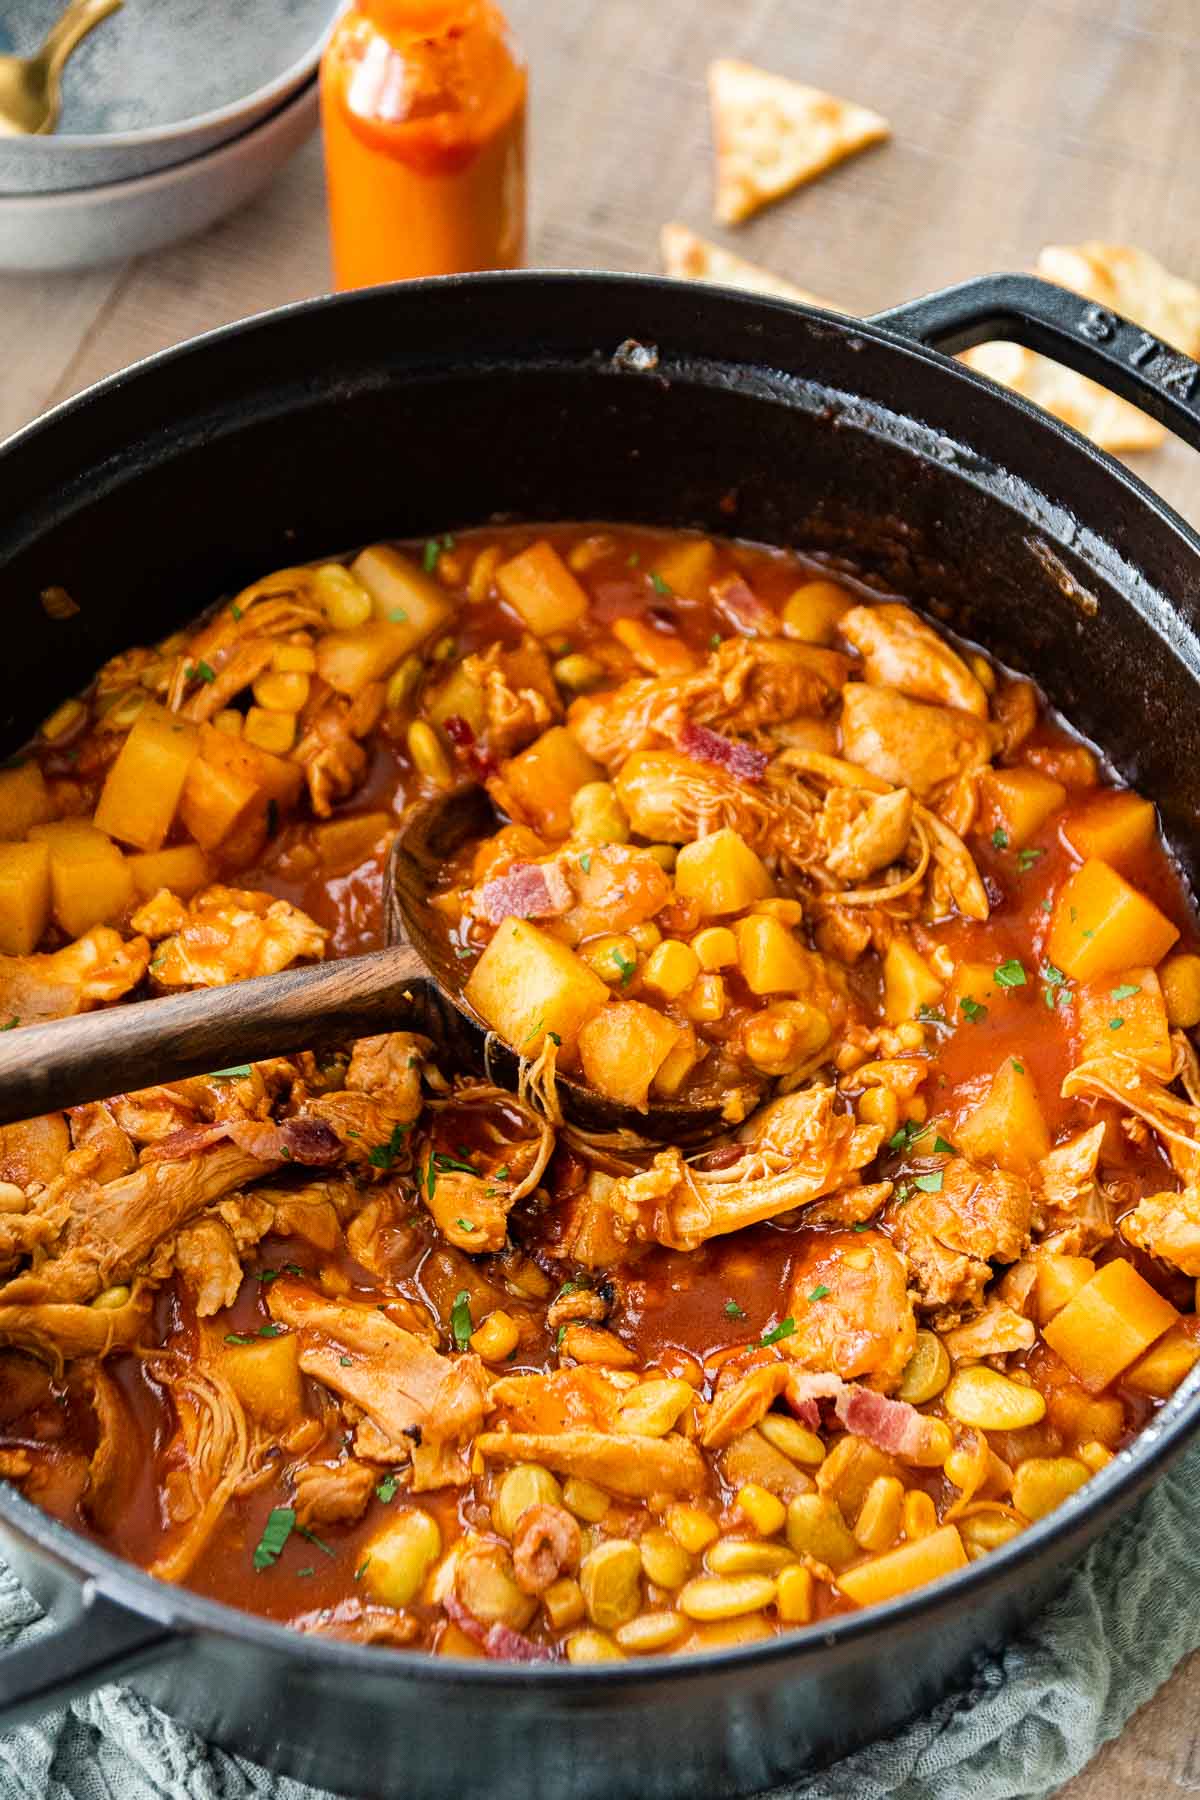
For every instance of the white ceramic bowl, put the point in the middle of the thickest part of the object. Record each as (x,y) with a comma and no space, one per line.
(158,83)
(80,229)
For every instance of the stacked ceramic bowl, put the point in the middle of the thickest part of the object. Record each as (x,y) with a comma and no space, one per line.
(174,112)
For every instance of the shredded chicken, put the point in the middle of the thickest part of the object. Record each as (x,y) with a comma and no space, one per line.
(98,967)
(951,1237)
(206,1258)
(1168,1226)
(332,1493)
(1070,1203)
(853,1313)
(900,651)
(909,743)
(226,934)
(633,1467)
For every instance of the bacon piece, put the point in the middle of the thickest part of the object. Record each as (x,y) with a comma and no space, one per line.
(805,1390)
(310,1142)
(498,1641)
(527,891)
(737,759)
(737,601)
(891,1425)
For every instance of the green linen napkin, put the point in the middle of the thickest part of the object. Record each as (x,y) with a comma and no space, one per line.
(1026,1723)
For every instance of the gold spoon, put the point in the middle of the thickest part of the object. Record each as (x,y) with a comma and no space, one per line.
(30,97)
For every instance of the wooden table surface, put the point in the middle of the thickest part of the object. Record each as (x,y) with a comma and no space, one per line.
(1017,123)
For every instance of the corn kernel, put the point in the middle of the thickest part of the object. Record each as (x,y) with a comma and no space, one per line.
(747,1556)
(788,912)
(613,958)
(497,1337)
(563,1601)
(344,601)
(585,1499)
(878,1524)
(762,1508)
(706,1001)
(294,659)
(111,1299)
(578,672)
(597,816)
(726,1596)
(879,1106)
(783,1037)
(483,569)
(403,684)
(792,1439)
(646,936)
(1095,1456)
(671,968)
(665,1562)
(1180,978)
(63,719)
(273,731)
(715,947)
(650,1631)
(794,1594)
(428,757)
(691,1528)
(665,855)
(230,721)
(593,1647)
(920,1514)
(278,691)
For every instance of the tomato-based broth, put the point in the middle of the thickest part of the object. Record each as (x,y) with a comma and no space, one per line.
(365,1344)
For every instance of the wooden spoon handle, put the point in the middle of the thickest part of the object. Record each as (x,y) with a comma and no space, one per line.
(122,1048)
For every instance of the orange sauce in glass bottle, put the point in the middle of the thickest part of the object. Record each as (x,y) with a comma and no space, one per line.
(423,112)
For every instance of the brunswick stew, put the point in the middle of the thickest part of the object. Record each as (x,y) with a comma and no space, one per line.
(370,1346)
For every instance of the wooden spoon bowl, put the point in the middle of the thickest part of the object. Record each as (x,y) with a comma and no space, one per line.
(415,984)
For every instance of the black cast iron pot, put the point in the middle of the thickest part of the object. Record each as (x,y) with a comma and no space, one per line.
(417,409)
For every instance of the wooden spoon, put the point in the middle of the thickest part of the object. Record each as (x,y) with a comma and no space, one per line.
(413,985)
(30,96)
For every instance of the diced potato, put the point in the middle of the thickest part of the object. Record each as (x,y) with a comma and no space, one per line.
(772,959)
(458,697)
(24,800)
(975,982)
(527,984)
(1110,1323)
(1114,826)
(908,982)
(265,1376)
(542,779)
(751,1458)
(538,585)
(622,1049)
(24,896)
(350,660)
(184,869)
(678,1065)
(1113,1018)
(401,593)
(142,789)
(1018,802)
(1059,1279)
(722,874)
(273,731)
(344,843)
(90,882)
(1102,925)
(671,968)
(1166,1363)
(911,1566)
(1180,979)
(688,567)
(1081,1418)
(1007,1128)
(657,652)
(217,801)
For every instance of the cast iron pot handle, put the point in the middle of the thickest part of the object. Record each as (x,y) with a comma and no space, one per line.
(1098,343)
(96,1642)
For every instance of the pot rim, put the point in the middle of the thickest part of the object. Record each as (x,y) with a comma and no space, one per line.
(187,1613)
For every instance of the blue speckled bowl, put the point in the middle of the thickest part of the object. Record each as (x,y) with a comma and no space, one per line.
(159,82)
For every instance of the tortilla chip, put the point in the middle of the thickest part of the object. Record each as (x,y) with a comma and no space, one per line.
(1127,281)
(773,134)
(691,258)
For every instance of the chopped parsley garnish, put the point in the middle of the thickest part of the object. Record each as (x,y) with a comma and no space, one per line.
(658,584)
(346,1362)
(362,1568)
(714,642)
(931,1015)
(818,1292)
(784,1329)
(1018,1066)
(1126,991)
(733,1310)
(529,1039)
(903,1139)
(1027,858)
(206,672)
(1056,991)
(382,1156)
(270,1331)
(1000,838)
(11,1024)
(568,1287)
(314,1539)
(554,1038)
(559,1335)
(237,1073)
(929,1184)
(502,1172)
(446,1163)
(862,1225)
(431,1178)
(585,863)
(1011,974)
(429,560)
(1046,906)
(972,1010)
(281,1522)
(306,1572)
(1115,1024)
(386,1490)
(237,1337)
(462,951)
(236,610)
(465,1225)
(942,1148)
(460,1319)
(398,616)
(627,967)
